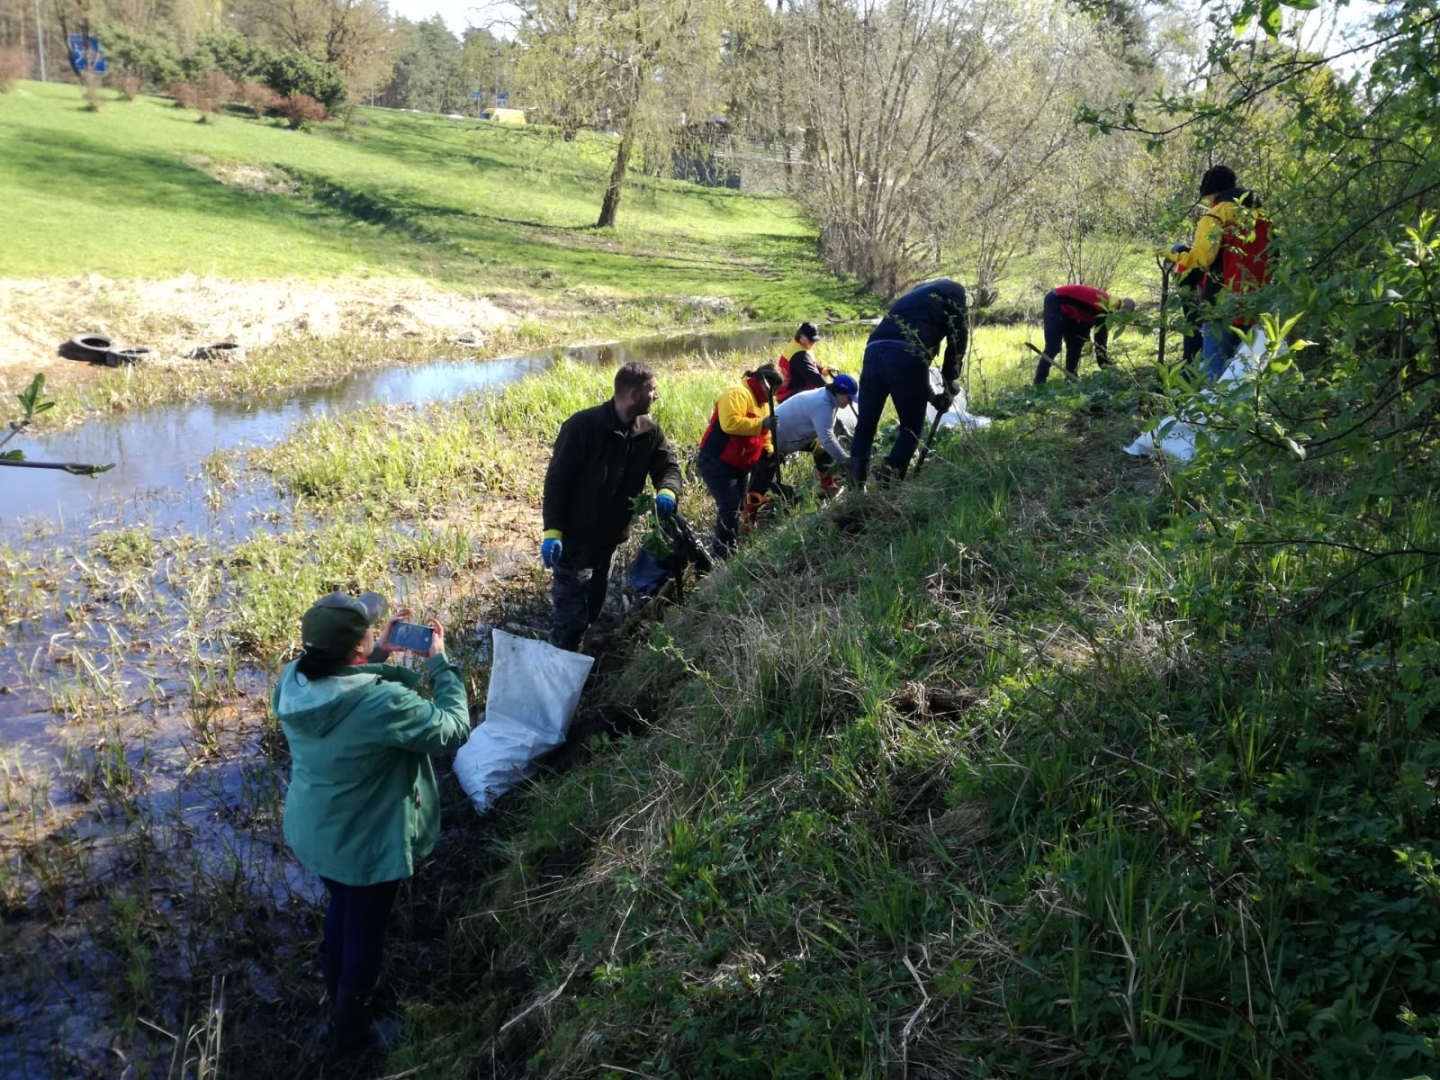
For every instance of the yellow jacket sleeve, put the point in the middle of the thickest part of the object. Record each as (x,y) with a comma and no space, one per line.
(1209,235)
(733,407)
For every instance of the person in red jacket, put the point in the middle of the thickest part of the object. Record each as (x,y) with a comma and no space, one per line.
(738,436)
(1070,313)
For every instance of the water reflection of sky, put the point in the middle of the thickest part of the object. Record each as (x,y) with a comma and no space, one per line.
(158,452)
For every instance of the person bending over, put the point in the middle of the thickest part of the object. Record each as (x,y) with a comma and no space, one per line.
(1069,314)
(896,367)
(810,421)
(736,440)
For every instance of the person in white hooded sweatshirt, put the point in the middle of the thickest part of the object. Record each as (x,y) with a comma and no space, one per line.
(808,421)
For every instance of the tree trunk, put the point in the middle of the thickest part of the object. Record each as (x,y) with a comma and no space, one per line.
(611,205)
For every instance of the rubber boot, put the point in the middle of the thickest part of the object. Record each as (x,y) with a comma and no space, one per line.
(859,473)
(829,486)
(755,506)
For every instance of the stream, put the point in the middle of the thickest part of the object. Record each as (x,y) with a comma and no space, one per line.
(127,734)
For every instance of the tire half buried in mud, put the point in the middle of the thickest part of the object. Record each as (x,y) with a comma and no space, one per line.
(120,357)
(220,350)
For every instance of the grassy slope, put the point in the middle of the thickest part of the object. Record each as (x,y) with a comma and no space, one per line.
(126,193)
(1020,770)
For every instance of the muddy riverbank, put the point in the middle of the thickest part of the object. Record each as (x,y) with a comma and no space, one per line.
(148,901)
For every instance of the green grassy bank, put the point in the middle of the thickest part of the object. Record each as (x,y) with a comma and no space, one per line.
(141,190)
(1051,762)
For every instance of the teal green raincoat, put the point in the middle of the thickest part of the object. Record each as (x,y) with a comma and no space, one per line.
(362,805)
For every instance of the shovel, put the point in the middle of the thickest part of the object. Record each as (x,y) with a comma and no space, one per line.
(1069,375)
(1165,266)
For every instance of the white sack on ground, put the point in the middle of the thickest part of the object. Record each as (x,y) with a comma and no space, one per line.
(534,689)
(958,416)
(1174,436)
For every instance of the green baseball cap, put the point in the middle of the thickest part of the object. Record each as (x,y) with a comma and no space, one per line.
(337,623)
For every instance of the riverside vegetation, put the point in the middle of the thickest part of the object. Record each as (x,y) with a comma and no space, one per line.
(149,901)
(1051,761)
(474,209)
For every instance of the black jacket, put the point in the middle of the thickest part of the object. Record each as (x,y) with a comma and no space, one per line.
(597,468)
(925,316)
(804,375)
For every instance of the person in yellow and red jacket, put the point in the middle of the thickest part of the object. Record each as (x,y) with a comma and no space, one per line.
(798,366)
(1231,248)
(738,436)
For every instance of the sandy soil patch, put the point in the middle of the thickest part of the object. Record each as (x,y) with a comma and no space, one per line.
(174,317)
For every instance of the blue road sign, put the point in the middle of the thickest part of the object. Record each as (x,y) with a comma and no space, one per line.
(85,54)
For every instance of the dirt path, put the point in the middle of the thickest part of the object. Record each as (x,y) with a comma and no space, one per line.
(174,317)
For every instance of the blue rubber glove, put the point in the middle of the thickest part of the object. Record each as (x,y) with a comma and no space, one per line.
(550,551)
(664,504)
(1179,248)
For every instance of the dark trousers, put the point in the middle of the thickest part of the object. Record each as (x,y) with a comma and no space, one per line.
(765,474)
(727,486)
(894,371)
(351,950)
(581,581)
(1189,291)
(1060,329)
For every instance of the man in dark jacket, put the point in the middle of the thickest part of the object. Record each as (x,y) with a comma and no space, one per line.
(897,366)
(603,456)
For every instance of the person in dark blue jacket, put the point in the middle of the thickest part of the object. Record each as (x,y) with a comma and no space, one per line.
(897,366)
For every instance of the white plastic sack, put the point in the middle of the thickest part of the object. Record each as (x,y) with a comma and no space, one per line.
(1175,437)
(534,689)
(958,415)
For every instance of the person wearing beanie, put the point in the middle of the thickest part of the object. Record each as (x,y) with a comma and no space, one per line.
(897,368)
(602,458)
(1069,314)
(1227,258)
(798,366)
(810,421)
(362,807)
(737,438)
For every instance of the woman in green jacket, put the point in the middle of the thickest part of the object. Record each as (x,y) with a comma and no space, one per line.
(362,805)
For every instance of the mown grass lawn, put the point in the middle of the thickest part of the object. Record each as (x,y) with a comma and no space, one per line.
(132,192)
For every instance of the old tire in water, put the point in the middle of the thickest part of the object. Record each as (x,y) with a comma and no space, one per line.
(119,357)
(92,347)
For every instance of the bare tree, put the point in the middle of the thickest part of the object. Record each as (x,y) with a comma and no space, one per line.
(930,121)
(637,67)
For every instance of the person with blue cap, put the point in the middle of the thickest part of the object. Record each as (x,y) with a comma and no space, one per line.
(813,421)
(362,808)
(603,456)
